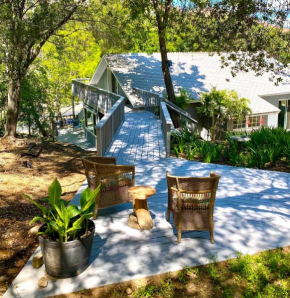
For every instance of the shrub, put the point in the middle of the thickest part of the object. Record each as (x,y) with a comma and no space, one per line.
(210,152)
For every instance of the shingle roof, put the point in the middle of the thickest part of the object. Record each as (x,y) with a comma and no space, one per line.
(194,72)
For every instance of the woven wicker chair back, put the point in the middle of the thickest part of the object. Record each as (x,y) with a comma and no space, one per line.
(114,179)
(191,201)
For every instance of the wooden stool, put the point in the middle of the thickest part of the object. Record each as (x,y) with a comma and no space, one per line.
(140,219)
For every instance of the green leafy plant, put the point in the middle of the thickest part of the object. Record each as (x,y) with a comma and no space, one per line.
(231,152)
(180,145)
(191,152)
(210,152)
(175,150)
(62,221)
(182,99)
(221,106)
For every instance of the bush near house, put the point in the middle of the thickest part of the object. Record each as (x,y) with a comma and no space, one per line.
(267,148)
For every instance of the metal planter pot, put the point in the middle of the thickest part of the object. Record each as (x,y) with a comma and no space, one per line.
(67,259)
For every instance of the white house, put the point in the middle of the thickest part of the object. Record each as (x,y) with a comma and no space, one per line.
(197,72)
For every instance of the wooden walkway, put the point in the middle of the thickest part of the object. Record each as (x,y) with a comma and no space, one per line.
(252,213)
(140,138)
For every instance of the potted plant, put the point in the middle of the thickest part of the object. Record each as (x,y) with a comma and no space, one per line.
(66,235)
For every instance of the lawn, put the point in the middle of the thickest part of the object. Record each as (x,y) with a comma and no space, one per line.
(266,274)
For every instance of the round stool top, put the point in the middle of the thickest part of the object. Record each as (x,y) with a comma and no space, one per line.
(142,191)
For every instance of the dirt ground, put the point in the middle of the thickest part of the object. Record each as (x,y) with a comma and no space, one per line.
(57,160)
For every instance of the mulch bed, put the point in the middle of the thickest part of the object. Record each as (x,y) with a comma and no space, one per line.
(32,176)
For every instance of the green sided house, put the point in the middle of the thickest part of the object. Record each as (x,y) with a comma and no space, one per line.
(197,73)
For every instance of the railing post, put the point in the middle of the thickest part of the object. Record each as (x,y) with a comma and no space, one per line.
(166,126)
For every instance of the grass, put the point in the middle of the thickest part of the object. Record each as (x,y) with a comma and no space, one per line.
(263,275)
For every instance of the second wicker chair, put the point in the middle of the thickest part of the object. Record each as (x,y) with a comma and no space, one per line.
(191,201)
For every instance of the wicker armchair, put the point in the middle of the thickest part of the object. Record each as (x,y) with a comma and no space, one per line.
(115,180)
(191,201)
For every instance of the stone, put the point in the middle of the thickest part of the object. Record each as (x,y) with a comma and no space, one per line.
(3,278)
(37,260)
(34,230)
(42,282)
(129,291)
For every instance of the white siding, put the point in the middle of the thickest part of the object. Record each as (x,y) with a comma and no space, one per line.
(273,120)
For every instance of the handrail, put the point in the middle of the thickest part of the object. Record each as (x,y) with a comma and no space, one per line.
(158,106)
(109,125)
(142,92)
(166,124)
(110,104)
(179,110)
(95,97)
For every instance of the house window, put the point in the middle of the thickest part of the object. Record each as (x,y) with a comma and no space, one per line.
(239,124)
(90,121)
(250,122)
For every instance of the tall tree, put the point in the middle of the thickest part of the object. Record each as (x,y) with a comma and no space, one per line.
(164,12)
(25,26)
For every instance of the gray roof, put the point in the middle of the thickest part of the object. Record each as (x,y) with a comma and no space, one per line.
(195,72)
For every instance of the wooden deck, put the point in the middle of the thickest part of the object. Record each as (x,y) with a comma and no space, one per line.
(252,213)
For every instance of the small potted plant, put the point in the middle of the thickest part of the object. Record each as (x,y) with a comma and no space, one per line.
(66,235)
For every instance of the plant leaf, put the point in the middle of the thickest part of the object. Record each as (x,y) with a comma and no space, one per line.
(54,192)
(73,211)
(42,208)
(59,212)
(88,198)
(38,218)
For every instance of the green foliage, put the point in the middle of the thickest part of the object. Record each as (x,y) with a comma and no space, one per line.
(191,152)
(231,152)
(36,106)
(266,145)
(63,221)
(261,271)
(221,106)
(182,99)
(176,151)
(165,289)
(210,152)
(69,56)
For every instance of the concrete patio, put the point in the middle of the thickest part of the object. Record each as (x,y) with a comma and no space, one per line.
(252,213)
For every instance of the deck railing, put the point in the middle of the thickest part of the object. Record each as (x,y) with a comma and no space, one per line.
(107,128)
(157,105)
(151,100)
(109,104)
(167,125)
(94,96)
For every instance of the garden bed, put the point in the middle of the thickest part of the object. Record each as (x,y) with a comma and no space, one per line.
(266,148)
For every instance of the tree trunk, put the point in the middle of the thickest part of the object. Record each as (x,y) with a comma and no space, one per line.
(12,108)
(167,79)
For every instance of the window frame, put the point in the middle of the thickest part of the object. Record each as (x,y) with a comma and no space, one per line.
(247,123)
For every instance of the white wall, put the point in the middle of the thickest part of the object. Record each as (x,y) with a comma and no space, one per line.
(272,120)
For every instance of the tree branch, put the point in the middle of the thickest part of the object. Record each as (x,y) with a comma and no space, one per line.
(34,53)
(69,34)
